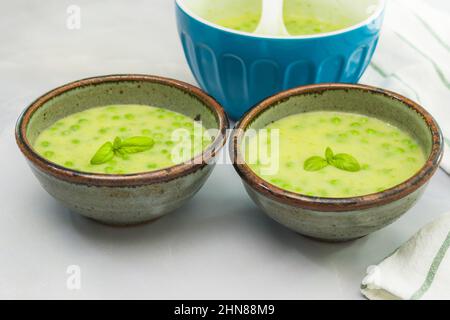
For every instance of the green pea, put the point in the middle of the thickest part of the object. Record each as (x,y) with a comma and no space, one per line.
(109,170)
(49,154)
(336,120)
(68,164)
(365,166)
(371,131)
(152,166)
(355,133)
(298,189)
(355,125)
(83,121)
(129,116)
(363,120)
(169,143)
(286,186)
(161,116)
(75,141)
(400,150)
(276,181)
(386,146)
(146,131)
(334,182)
(103,130)
(75,127)
(116,117)
(65,133)
(164,151)
(407,141)
(45,144)
(123,129)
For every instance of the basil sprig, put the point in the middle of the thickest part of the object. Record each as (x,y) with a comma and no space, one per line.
(121,148)
(342,161)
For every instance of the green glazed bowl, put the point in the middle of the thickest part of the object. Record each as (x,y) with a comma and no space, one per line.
(122,199)
(345,218)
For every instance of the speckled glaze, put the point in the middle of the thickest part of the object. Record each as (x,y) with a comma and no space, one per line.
(347,218)
(241,69)
(122,199)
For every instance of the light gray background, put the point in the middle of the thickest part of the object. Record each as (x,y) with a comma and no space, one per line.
(217,246)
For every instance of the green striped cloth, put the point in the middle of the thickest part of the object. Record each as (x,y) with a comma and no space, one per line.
(419,269)
(413,58)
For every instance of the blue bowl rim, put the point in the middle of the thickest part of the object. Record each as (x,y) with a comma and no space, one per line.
(374,16)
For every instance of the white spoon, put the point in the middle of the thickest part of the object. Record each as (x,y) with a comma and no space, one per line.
(272,22)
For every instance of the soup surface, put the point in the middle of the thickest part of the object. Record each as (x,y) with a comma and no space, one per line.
(365,155)
(300,25)
(296,24)
(73,141)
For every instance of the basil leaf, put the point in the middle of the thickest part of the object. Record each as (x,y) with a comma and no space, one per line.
(136,144)
(315,164)
(346,162)
(103,154)
(117,143)
(329,154)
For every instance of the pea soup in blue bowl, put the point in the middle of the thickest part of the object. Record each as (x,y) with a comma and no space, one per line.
(330,41)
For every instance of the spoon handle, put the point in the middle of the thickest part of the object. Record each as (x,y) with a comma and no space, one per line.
(272,21)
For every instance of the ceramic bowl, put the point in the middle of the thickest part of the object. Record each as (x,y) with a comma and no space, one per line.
(346,218)
(240,69)
(122,199)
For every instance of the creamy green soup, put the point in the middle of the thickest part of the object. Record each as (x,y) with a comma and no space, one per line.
(331,154)
(299,25)
(295,24)
(247,22)
(145,138)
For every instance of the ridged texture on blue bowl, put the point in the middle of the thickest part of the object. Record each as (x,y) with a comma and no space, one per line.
(240,70)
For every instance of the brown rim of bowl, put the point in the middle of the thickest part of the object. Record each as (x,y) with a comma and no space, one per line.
(334,204)
(137,179)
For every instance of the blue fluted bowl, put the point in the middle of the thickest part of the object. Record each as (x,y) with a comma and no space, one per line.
(241,69)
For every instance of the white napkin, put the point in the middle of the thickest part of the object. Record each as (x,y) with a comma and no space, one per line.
(419,269)
(413,58)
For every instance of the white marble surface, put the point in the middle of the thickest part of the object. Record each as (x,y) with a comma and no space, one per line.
(217,246)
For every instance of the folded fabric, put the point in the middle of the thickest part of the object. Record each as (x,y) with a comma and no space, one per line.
(419,269)
(413,58)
